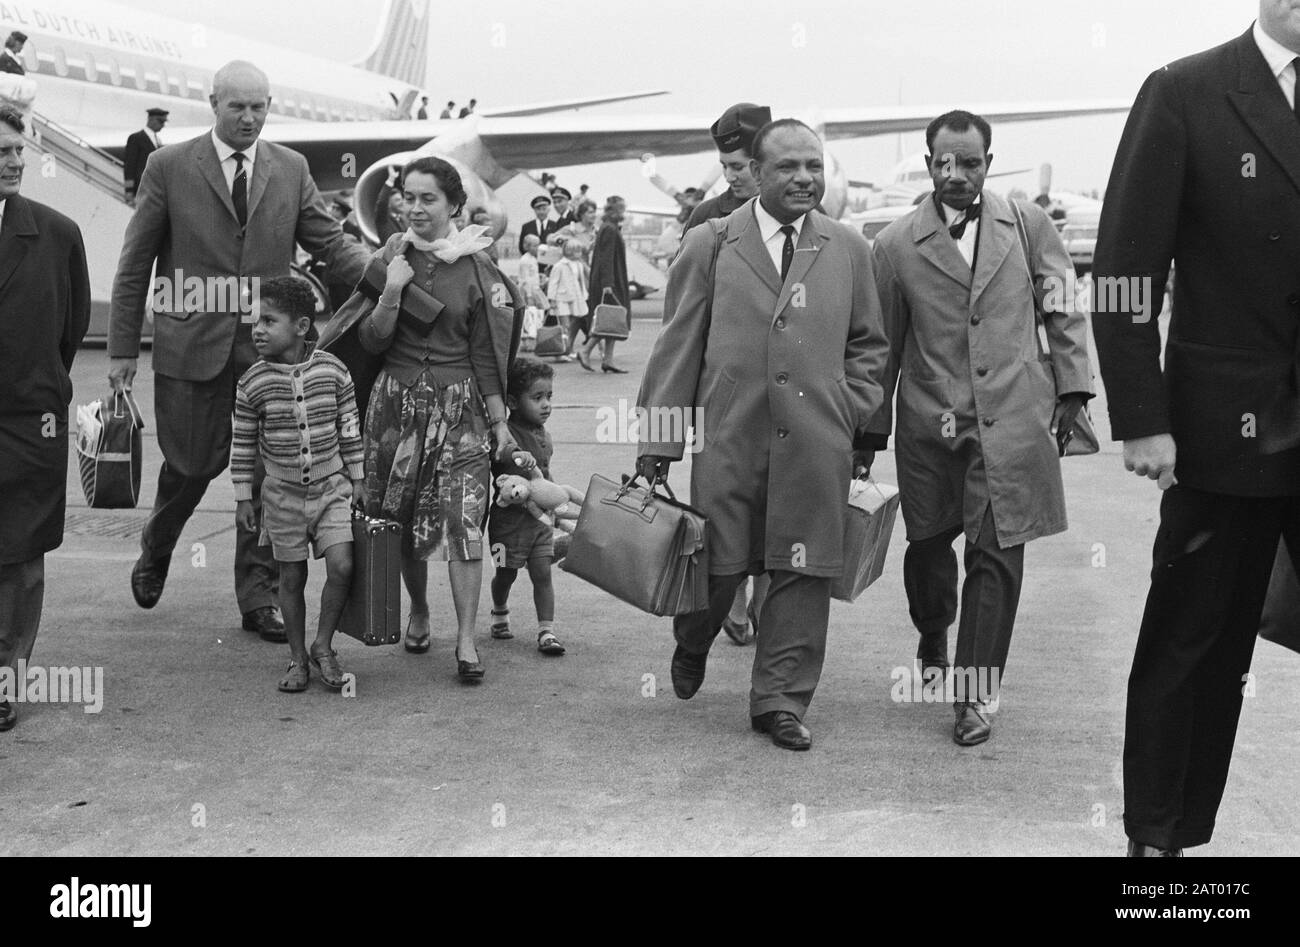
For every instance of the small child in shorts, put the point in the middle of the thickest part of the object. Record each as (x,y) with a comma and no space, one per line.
(297,408)
(518,539)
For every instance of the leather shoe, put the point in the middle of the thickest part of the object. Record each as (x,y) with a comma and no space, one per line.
(266,623)
(972,726)
(147,581)
(8,716)
(932,653)
(687,672)
(785,729)
(1142,850)
(738,632)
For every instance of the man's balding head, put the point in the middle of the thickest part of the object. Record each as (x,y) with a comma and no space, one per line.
(241,98)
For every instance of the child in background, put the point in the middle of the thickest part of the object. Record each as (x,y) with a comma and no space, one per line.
(518,538)
(297,408)
(535,301)
(567,290)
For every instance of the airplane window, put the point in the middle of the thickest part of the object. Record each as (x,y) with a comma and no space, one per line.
(91,68)
(60,61)
(138,75)
(114,73)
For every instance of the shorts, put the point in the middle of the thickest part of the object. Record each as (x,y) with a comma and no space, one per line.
(293,513)
(516,539)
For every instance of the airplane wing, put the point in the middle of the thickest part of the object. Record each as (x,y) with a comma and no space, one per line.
(543,108)
(888,120)
(338,151)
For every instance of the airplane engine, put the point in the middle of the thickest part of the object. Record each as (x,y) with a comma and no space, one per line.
(371,184)
(836,198)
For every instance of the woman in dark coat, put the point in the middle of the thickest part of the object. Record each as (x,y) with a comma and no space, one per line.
(44,312)
(608,281)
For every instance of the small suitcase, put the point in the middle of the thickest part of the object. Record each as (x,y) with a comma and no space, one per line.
(373,613)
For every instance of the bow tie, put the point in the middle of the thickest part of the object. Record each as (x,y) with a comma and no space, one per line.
(958,229)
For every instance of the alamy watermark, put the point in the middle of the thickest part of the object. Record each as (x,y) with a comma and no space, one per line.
(35,684)
(228,294)
(627,423)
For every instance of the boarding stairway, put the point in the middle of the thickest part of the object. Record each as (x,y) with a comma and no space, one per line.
(75,155)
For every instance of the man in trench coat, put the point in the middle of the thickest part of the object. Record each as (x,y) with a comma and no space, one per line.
(976,405)
(44,312)
(780,375)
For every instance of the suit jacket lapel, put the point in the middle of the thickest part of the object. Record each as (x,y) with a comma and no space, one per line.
(210,168)
(16,231)
(997,235)
(262,170)
(1262,106)
(811,239)
(930,234)
(749,244)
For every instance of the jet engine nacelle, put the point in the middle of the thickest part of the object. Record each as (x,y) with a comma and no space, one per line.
(365,198)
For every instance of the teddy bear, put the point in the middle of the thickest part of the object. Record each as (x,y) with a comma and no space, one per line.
(549,502)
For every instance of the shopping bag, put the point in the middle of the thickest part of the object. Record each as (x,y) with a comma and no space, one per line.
(610,319)
(108,452)
(642,547)
(373,612)
(534,319)
(1280,622)
(551,340)
(868,526)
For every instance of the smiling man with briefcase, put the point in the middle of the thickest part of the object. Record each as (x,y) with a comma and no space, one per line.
(771,325)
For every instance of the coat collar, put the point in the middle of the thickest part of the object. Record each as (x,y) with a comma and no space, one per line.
(1259,101)
(16,229)
(996,237)
(748,242)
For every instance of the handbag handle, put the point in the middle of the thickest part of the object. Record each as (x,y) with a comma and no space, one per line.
(630,482)
(609,291)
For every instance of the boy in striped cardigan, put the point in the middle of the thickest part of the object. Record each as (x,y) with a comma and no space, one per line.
(296,407)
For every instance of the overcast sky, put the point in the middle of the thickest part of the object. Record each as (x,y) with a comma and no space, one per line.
(796,56)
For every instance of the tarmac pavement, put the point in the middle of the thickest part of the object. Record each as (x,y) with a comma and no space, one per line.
(196,752)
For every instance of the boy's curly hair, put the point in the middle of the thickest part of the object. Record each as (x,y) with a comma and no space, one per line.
(524,372)
(290,295)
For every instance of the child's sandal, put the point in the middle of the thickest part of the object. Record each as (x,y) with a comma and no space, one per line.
(547,643)
(500,628)
(295,679)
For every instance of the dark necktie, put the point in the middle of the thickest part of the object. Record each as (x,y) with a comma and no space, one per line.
(787,251)
(239,193)
(958,229)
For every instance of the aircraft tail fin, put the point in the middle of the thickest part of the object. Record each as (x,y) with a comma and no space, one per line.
(401,45)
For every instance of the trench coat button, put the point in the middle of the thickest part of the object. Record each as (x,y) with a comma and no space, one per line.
(974,320)
(988,422)
(781,432)
(1275,236)
(780,323)
(981,372)
(782,378)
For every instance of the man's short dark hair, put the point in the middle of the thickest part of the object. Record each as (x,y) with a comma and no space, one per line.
(13,118)
(959,121)
(524,372)
(290,295)
(761,138)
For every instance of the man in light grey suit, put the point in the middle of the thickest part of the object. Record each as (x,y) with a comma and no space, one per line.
(213,213)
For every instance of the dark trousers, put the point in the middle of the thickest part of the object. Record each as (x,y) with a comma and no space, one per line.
(1211,565)
(790,650)
(22,595)
(194,430)
(989,599)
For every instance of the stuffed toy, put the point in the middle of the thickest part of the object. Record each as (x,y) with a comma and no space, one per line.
(549,502)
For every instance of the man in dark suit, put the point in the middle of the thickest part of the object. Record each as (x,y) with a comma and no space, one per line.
(423,112)
(446,113)
(139,146)
(541,227)
(219,209)
(1208,176)
(44,312)
(563,210)
(9,61)
(469,109)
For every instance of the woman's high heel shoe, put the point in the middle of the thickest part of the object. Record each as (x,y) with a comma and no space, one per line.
(469,671)
(613,370)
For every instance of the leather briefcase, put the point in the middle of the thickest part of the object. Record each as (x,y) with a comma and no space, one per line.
(373,613)
(642,547)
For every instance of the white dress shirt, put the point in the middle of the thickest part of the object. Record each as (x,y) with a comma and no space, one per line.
(769,228)
(152,136)
(966,245)
(224,152)
(1280,60)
